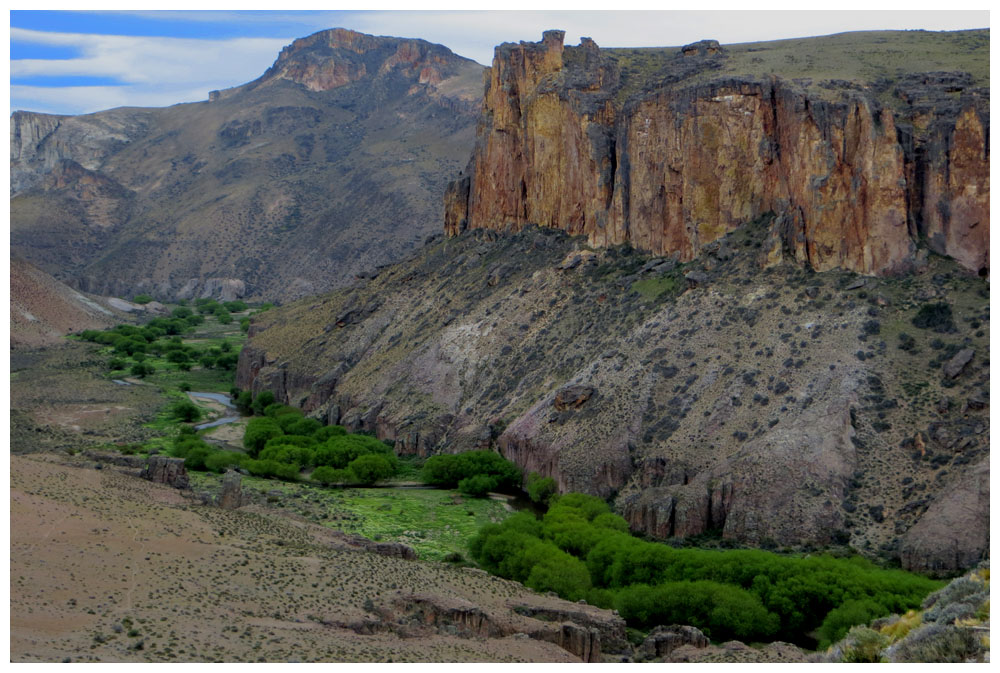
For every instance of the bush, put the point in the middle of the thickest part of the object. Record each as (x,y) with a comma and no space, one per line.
(325,475)
(445,471)
(243,402)
(116,363)
(842,618)
(478,485)
(245,325)
(141,299)
(262,400)
(371,468)
(185,410)
(936,317)
(142,369)
(220,461)
(235,306)
(938,643)
(540,489)
(258,431)
(863,646)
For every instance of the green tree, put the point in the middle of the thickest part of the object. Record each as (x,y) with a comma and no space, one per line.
(263,399)
(185,410)
(142,369)
(540,489)
(478,485)
(257,432)
(244,402)
(371,468)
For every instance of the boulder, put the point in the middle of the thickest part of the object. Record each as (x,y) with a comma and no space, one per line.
(165,470)
(573,396)
(953,367)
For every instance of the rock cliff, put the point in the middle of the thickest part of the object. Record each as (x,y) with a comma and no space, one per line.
(565,141)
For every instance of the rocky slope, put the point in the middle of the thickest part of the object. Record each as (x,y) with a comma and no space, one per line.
(331,162)
(740,395)
(43,310)
(579,139)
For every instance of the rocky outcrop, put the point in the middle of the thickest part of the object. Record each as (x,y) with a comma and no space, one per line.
(585,632)
(672,169)
(786,486)
(663,640)
(231,496)
(334,58)
(166,470)
(954,532)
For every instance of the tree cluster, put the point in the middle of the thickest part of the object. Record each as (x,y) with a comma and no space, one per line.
(580,549)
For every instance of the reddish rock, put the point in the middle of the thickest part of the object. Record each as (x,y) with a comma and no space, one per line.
(673,170)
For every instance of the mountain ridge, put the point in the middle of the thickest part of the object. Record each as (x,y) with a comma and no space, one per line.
(277,185)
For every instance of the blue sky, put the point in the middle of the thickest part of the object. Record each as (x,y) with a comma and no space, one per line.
(72,62)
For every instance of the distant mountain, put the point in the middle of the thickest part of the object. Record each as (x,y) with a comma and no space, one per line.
(330,163)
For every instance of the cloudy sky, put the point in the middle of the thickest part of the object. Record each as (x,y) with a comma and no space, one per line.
(72,62)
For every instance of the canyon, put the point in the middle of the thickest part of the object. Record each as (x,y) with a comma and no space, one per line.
(652,288)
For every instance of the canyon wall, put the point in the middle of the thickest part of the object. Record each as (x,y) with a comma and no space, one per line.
(564,142)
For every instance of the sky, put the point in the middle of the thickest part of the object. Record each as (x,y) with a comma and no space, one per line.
(74,62)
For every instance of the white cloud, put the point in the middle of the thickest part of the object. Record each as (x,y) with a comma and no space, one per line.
(154,70)
(474,34)
(85,99)
(161,71)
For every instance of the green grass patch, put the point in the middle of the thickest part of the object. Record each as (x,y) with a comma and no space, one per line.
(656,286)
(434,522)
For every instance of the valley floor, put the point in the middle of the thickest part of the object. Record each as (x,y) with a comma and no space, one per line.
(107,567)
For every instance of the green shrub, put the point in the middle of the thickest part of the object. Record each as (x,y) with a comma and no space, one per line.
(478,485)
(326,475)
(371,468)
(863,646)
(243,402)
(141,299)
(263,399)
(936,317)
(185,410)
(142,369)
(850,613)
(116,363)
(447,470)
(257,432)
(220,461)
(235,306)
(540,489)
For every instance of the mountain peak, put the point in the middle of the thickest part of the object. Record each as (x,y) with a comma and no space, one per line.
(333,58)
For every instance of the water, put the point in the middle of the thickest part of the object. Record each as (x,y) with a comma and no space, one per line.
(225,400)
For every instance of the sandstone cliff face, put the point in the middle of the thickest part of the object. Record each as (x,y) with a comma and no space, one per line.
(673,169)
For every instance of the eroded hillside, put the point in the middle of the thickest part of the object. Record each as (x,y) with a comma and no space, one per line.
(741,394)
